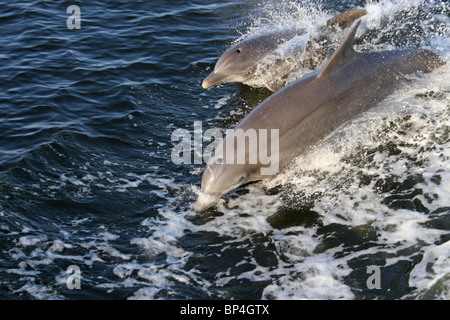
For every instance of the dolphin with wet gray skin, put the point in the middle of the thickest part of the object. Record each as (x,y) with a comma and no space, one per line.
(308,110)
(240,62)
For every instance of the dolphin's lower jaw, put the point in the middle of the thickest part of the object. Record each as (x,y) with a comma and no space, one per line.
(205,201)
(217,78)
(212,80)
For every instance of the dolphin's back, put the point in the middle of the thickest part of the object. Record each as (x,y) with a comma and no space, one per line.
(311,108)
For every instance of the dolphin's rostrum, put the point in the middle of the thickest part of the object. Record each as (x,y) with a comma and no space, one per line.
(308,110)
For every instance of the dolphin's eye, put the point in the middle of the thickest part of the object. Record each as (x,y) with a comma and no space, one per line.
(219,160)
(238,50)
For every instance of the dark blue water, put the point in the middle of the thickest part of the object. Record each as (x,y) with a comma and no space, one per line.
(87,179)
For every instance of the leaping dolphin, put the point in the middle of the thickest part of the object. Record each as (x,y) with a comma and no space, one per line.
(240,62)
(308,110)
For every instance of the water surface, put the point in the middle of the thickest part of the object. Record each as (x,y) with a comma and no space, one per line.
(86,176)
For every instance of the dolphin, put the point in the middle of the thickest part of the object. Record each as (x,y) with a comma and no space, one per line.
(307,111)
(240,62)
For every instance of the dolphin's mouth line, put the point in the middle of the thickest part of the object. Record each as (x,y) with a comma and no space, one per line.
(215,78)
(231,188)
(218,195)
(208,200)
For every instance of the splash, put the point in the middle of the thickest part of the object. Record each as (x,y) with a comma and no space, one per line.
(287,63)
(387,25)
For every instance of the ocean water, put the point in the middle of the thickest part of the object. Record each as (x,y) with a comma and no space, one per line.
(87,178)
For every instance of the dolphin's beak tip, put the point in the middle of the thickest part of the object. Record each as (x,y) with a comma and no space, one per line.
(205,84)
(212,79)
(204,202)
(198,208)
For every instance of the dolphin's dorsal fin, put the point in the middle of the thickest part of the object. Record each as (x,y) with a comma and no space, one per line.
(343,54)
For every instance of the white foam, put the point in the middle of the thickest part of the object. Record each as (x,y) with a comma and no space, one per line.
(26,241)
(386,10)
(317,277)
(433,273)
(286,59)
